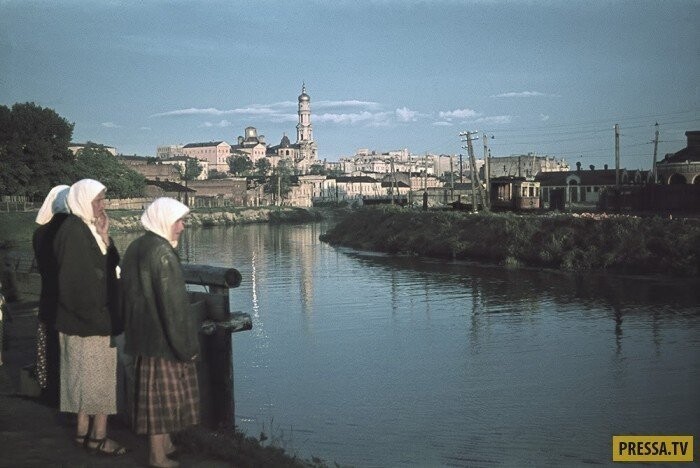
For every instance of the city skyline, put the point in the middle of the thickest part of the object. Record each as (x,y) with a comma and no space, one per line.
(542,76)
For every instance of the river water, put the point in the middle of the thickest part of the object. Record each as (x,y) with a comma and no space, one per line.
(370,360)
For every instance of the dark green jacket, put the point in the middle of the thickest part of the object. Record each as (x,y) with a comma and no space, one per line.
(87,282)
(157,317)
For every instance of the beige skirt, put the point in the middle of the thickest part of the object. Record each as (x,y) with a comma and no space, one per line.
(88,374)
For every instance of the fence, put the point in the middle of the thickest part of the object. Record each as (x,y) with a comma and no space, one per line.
(18,203)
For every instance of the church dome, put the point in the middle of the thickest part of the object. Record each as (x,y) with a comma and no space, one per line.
(303,96)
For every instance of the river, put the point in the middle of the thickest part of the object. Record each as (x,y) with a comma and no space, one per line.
(370,360)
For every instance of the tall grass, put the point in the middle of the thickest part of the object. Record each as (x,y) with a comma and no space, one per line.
(620,244)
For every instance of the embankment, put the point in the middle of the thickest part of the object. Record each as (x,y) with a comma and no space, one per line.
(620,244)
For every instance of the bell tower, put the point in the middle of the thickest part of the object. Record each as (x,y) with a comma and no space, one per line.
(305,132)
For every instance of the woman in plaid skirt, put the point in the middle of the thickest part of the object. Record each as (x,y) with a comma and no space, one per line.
(160,332)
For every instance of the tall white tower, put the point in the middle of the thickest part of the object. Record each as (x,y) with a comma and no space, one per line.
(305,132)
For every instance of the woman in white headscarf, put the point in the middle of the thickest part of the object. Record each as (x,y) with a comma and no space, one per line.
(52,214)
(87,305)
(160,332)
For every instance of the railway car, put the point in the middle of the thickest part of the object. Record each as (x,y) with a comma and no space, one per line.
(514,193)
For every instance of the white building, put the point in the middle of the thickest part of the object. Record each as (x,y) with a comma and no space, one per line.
(216,153)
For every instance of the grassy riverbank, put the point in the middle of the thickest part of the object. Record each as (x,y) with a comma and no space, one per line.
(621,244)
(16,228)
(229,446)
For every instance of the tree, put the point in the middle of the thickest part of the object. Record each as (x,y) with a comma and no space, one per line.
(95,162)
(34,154)
(239,164)
(318,169)
(262,166)
(191,171)
(281,181)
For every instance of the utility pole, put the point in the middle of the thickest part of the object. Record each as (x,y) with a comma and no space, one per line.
(617,158)
(656,146)
(393,181)
(452,181)
(472,169)
(460,168)
(487,170)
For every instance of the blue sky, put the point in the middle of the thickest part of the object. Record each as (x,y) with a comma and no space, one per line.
(549,77)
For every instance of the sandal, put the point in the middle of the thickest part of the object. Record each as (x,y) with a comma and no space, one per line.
(99,449)
(80,441)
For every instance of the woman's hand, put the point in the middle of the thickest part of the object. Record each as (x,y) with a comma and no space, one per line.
(102,227)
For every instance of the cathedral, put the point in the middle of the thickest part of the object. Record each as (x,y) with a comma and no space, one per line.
(303,153)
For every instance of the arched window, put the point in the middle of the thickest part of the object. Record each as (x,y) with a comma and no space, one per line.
(677,179)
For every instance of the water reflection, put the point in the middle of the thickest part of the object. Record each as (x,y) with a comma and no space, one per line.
(374,360)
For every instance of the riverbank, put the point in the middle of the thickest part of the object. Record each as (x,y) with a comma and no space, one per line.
(571,242)
(34,434)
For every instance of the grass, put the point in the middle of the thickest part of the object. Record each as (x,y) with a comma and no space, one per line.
(625,244)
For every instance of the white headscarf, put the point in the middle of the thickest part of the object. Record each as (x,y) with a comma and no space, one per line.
(160,216)
(80,197)
(55,202)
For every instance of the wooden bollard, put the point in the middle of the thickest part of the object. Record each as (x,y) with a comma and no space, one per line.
(215,369)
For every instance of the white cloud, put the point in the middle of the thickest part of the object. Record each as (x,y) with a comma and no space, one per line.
(544,118)
(369,105)
(458,114)
(146,129)
(370,118)
(442,124)
(406,115)
(524,94)
(496,119)
(110,125)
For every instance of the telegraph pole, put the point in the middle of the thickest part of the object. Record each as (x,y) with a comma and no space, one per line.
(452,181)
(487,170)
(617,158)
(472,171)
(656,146)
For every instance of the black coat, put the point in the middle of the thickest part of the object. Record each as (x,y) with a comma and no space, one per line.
(88,289)
(157,317)
(42,242)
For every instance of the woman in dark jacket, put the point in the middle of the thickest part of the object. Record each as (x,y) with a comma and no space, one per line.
(87,261)
(51,215)
(160,332)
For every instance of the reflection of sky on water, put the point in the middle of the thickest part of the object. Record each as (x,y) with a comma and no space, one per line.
(373,360)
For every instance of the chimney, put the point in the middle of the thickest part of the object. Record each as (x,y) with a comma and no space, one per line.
(605,166)
(578,166)
(592,167)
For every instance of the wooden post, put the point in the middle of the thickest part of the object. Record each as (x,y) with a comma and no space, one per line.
(617,158)
(215,369)
(656,146)
(487,175)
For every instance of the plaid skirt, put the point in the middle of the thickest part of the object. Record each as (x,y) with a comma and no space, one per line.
(166,396)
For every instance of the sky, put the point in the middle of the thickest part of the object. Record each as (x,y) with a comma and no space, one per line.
(536,76)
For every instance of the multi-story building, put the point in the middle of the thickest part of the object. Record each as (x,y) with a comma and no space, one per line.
(524,165)
(216,153)
(181,162)
(169,151)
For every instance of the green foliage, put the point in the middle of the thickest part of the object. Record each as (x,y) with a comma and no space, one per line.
(280,182)
(318,169)
(240,165)
(34,154)
(262,166)
(620,244)
(95,162)
(191,171)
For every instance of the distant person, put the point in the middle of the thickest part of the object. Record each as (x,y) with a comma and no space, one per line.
(87,276)
(160,332)
(51,215)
